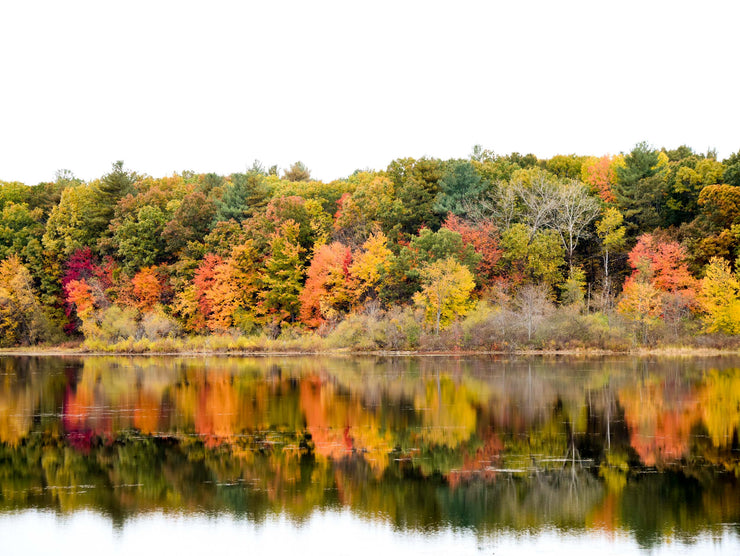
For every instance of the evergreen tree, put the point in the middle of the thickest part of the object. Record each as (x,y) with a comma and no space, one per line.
(459,188)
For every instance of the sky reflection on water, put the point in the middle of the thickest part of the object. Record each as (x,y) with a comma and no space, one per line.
(325,534)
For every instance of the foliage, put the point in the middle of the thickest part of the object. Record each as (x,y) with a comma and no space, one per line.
(719,297)
(19,225)
(282,276)
(445,291)
(189,222)
(574,288)
(369,268)
(216,254)
(138,239)
(532,258)
(370,206)
(660,285)
(72,224)
(610,232)
(484,239)
(641,188)
(416,184)
(600,174)
(459,188)
(641,303)
(297,172)
(720,205)
(243,195)
(327,294)
(663,262)
(22,320)
(147,288)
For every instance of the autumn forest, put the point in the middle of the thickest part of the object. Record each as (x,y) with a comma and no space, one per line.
(491,252)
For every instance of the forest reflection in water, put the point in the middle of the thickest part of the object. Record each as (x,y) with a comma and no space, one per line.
(642,447)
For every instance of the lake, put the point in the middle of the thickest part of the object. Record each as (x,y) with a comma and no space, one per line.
(360,455)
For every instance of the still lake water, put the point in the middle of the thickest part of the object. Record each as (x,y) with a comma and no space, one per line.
(366,455)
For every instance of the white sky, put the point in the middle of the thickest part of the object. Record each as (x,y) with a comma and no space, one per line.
(211,86)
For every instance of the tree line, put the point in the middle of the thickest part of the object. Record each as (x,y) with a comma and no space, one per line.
(643,242)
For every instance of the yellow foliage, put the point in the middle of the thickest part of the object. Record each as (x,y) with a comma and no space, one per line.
(21,318)
(370,265)
(720,298)
(448,412)
(721,406)
(445,293)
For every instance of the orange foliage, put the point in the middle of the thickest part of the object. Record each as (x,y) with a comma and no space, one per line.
(660,421)
(331,437)
(80,295)
(217,413)
(214,295)
(147,412)
(599,173)
(147,288)
(327,293)
(660,284)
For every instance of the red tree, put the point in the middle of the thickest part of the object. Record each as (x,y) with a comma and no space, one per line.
(484,239)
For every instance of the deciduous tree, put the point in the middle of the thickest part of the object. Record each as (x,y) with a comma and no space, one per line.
(369,267)
(445,291)
(611,233)
(22,320)
(720,298)
(282,276)
(327,294)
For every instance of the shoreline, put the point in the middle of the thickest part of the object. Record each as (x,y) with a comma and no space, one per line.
(681,351)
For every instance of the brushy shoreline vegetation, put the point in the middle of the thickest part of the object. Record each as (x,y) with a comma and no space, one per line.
(490,253)
(484,330)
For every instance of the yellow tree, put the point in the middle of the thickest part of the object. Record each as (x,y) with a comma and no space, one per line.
(641,303)
(21,317)
(611,233)
(719,298)
(445,293)
(369,266)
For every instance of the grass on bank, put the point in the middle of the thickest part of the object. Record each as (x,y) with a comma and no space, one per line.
(486,328)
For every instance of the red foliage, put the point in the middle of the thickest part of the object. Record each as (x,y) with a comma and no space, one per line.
(661,262)
(340,207)
(81,267)
(484,239)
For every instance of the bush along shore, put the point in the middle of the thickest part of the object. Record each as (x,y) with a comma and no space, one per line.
(488,253)
(485,329)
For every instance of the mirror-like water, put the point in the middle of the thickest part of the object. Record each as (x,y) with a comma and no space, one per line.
(354,455)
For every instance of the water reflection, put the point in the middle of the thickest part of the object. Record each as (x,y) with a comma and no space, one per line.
(644,447)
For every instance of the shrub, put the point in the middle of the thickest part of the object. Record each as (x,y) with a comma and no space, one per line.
(117,323)
(156,324)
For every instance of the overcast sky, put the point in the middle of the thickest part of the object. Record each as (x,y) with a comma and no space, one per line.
(212,86)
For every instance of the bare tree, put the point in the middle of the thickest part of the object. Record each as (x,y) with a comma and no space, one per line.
(545,202)
(501,206)
(532,306)
(540,200)
(574,210)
